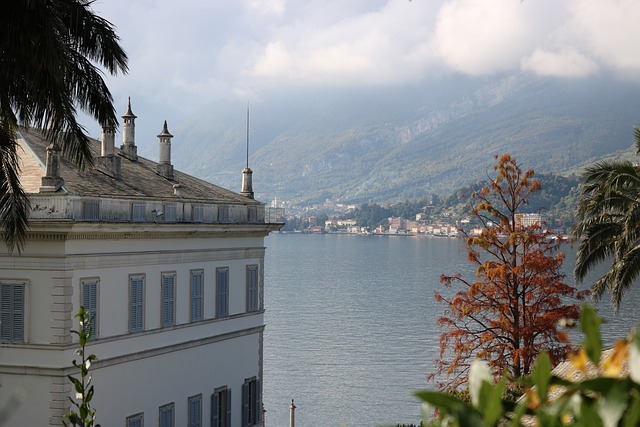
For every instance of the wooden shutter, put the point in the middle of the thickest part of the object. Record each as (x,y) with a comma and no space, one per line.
(136,305)
(228,420)
(12,313)
(245,404)
(195,411)
(168,292)
(258,403)
(215,397)
(90,302)
(196,296)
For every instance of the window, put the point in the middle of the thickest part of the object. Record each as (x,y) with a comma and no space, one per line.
(168,285)
(252,288)
(135,420)
(91,210)
(138,212)
(90,302)
(12,312)
(196,295)
(251,407)
(197,213)
(167,417)
(195,411)
(136,304)
(223,213)
(221,407)
(170,212)
(222,292)
(253,214)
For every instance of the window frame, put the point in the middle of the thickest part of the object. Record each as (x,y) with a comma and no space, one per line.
(170,212)
(251,402)
(221,407)
(222,292)
(95,312)
(135,328)
(168,408)
(196,301)
(13,316)
(191,422)
(135,418)
(136,215)
(168,299)
(252,288)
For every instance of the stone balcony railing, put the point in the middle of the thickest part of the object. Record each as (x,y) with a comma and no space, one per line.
(75,208)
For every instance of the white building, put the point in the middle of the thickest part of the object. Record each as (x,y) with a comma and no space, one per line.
(173,269)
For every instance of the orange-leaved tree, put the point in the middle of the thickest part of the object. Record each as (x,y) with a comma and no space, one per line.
(509,312)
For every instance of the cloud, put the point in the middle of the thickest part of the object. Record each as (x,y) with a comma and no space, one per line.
(609,29)
(567,63)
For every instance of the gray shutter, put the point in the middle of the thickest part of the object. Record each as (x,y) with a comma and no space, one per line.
(258,402)
(12,313)
(196,296)
(136,305)
(228,407)
(90,302)
(215,397)
(245,404)
(168,284)
(195,412)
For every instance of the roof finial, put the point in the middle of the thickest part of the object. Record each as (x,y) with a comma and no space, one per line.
(247,134)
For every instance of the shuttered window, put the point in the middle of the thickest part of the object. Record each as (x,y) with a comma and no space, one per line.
(136,303)
(12,312)
(252,288)
(222,292)
(168,299)
(167,416)
(91,210)
(135,420)
(138,212)
(196,295)
(221,408)
(197,213)
(251,403)
(195,411)
(90,302)
(170,212)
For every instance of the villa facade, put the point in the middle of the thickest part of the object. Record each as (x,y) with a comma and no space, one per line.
(171,266)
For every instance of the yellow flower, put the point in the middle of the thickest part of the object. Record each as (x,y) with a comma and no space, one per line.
(612,365)
(579,360)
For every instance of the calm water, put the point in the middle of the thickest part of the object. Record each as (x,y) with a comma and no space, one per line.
(351,325)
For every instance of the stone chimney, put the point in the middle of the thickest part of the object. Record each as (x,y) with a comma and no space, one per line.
(108,163)
(52,181)
(128,148)
(164,165)
(247,186)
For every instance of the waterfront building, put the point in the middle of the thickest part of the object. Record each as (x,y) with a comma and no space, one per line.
(171,266)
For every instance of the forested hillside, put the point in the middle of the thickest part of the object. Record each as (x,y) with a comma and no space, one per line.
(396,144)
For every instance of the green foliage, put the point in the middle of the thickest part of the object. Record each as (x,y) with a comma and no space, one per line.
(601,396)
(84,415)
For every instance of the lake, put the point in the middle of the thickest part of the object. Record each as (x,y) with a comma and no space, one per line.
(351,325)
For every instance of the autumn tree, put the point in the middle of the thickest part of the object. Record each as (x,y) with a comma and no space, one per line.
(509,312)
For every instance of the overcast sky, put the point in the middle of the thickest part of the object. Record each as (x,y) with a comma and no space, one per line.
(185,54)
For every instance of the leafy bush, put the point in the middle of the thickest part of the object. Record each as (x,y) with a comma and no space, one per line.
(597,391)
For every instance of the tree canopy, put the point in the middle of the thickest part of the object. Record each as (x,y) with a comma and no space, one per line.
(508,314)
(51,52)
(608,225)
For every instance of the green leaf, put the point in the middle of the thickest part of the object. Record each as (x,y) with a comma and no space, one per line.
(590,325)
(632,416)
(491,402)
(542,375)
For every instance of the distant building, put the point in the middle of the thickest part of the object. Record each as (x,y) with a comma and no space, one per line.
(171,266)
(528,220)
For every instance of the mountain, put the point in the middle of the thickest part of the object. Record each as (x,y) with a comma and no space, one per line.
(366,145)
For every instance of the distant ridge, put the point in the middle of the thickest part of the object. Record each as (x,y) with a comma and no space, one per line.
(403,143)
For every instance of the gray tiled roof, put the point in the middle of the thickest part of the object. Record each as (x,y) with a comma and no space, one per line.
(139,179)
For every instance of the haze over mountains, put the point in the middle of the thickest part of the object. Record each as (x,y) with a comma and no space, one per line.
(363,145)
